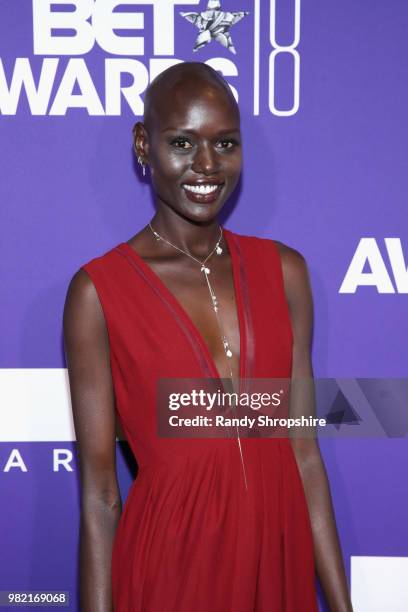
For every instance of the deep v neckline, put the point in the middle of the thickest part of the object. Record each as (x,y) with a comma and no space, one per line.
(182,312)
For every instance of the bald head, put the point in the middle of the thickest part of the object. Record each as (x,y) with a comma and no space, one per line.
(187,79)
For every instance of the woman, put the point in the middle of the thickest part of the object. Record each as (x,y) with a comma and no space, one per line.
(209,524)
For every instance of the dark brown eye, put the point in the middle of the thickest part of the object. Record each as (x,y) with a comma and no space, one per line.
(228,143)
(181,143)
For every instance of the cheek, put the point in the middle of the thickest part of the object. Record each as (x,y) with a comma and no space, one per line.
(170,165)
(232,166)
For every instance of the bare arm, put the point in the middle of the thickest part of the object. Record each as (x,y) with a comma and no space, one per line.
(92,397)
(328,557)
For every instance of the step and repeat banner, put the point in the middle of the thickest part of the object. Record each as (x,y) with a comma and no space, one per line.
(323,94)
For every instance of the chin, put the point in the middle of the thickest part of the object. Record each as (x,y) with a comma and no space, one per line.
(195,212)
(198,213)
(201,213)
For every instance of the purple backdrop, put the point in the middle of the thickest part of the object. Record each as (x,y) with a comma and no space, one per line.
(324,135)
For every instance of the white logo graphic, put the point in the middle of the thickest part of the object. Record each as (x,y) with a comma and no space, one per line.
(214,24)
(60,74)
(368,253)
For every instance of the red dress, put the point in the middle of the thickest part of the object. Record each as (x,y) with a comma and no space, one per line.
(191,538)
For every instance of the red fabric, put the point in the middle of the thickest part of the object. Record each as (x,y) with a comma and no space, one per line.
(191,538)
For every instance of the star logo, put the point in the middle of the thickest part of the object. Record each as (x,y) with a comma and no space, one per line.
(214,24)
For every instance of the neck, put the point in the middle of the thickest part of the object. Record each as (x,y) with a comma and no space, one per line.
(194,238)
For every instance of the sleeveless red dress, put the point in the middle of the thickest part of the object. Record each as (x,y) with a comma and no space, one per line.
(191,538)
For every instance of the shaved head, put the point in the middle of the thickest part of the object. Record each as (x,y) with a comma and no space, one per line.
(180,81)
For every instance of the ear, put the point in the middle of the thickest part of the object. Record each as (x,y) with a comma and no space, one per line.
(140,141)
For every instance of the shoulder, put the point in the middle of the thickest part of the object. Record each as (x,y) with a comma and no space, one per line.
(293,264)
(82,296)
(80,286)
(97,272)
(82,305)
(295,277)
(102,260)
(255,245)
(82,282)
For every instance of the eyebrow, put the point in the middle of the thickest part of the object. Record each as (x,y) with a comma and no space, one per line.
(220,132)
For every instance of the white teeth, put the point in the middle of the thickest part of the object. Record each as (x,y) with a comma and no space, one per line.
(201,188)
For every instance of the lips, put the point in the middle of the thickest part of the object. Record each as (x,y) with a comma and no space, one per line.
(205,191)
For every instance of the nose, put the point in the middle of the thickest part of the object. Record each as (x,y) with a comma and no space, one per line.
(205,160)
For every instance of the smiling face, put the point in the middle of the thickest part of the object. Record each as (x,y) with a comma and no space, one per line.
(191,140)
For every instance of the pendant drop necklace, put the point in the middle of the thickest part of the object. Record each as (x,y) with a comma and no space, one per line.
(215,305)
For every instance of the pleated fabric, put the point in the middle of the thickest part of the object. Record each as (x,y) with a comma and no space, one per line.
(192,537)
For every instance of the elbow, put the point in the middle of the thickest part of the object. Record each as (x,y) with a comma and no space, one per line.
(101,501)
